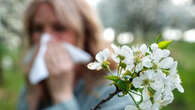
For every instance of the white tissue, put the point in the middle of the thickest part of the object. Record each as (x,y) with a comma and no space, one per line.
(39,70)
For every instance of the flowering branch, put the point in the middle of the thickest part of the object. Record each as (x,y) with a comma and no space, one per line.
(148,72)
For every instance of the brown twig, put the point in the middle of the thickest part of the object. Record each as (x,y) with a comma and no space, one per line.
(111,95)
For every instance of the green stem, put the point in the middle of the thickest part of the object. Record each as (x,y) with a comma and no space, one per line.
(108,68)
(135,93)
(134,101)
(139,95)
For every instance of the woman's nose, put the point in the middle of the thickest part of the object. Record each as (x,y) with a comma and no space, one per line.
(49,31)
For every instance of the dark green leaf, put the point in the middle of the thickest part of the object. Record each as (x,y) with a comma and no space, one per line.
(112,78)
(123,85)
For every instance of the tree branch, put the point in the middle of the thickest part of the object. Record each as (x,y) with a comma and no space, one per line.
(111,95)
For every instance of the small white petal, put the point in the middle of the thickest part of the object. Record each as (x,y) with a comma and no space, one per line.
(125,48)
(145,94)
(137,82)
(156,55)
(154,46)
(155,106)
(106,53)
(146,105)
(143,49)
(102,55)
(130,67)
(180,88)
(166,63)
(165,53)
(94,66)
(158,84)
(99,57)
(115,58)
(167,97)
(146,62)
(116,49)
(138,67)
(173,69)
(149,74)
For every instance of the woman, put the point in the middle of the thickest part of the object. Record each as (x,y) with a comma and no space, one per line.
(70,86)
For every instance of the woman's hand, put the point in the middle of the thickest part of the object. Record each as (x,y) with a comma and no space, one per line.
(61,72)
(34,95)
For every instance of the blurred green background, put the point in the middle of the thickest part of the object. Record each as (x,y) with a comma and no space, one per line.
(126,22)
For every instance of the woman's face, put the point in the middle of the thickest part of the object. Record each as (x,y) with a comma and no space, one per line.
(45,21)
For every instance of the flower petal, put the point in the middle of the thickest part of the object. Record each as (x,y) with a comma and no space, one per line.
(103,55)
(154,46)
(165,53)
(94,66)
(137,82)
(147,62)
(116,58)
(138,67)
(166,63)
(115,48)
(143,49)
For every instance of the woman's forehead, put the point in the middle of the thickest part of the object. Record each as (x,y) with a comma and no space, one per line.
(45,14)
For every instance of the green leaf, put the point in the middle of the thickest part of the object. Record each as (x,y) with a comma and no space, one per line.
(164,44)
(122,65)
(121,57)
(123,85)
(166,71)
(112,78)
(105,64)
(152,91)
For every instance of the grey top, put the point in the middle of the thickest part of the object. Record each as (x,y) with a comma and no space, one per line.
(82,100)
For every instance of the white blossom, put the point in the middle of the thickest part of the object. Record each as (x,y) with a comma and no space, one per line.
(100,57)
(123,51)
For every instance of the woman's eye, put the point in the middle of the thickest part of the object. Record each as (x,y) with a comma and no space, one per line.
(37,29)
(59,28)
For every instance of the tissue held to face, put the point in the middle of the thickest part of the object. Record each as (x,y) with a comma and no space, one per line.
(58,61)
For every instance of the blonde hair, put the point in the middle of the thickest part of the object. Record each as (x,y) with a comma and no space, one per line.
(77,15)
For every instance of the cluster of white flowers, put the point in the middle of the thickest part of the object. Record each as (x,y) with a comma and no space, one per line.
(151,72)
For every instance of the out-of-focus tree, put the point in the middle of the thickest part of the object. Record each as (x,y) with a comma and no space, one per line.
(145,16)
(11,34)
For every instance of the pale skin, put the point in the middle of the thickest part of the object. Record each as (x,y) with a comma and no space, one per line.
(58,61)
